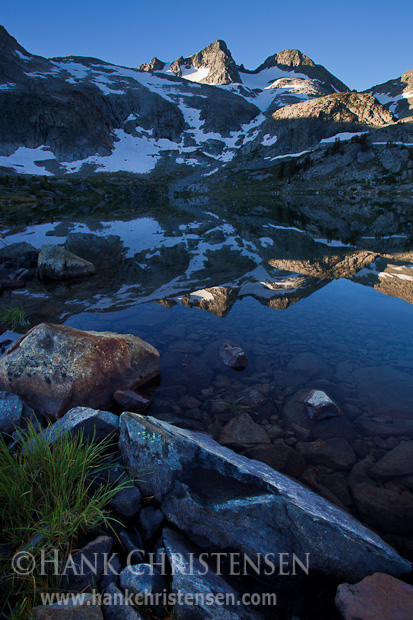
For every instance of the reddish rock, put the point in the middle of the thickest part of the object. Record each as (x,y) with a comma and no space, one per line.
(377,597)
(233,356)
(55,367)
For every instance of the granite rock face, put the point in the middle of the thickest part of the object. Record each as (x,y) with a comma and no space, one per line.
(347,108)
(216,59)
(56,367)
(225,501)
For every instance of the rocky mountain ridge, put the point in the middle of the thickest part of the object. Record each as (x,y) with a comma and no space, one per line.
(396,95)
(203,112)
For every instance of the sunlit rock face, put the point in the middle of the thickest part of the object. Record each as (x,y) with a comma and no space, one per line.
(388,277)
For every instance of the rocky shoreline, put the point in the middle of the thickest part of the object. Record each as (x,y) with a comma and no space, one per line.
(193,498)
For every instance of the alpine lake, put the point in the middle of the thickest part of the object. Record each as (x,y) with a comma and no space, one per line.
(312,308)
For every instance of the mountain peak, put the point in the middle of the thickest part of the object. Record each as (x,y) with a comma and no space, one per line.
(215,61)
(154,65)
(297,62)
(9,45)
(288,58)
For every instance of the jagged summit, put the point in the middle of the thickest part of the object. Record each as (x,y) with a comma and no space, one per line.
(154,65)
(213,65)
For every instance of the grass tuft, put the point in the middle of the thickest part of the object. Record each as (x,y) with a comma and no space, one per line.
(13,316)
(48,503)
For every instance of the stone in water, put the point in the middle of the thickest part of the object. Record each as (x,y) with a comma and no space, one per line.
(320,406)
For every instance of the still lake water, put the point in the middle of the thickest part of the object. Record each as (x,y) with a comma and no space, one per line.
(189,281)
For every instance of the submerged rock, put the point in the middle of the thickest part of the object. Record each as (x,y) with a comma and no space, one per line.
(279,456)
(132,401)
(396,463)
(57,263)
(222,500)
(334,453)
(378,596)
(320,406)
(56,367)
(233,356)
(243,432)
(383,508)
(295,413)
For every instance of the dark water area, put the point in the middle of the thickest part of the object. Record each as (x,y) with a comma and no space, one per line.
(338,332)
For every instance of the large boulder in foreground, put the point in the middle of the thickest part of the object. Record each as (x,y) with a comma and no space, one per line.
(224,501)
(55,367)
(57,263)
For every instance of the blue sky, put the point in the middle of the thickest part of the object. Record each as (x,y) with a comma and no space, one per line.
(362,42)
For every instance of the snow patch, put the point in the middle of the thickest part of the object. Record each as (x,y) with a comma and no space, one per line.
(346,135)
(269,140)
(195,75)
(23,160)
(266,241)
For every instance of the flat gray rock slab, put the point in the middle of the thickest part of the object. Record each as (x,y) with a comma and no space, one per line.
(222,500)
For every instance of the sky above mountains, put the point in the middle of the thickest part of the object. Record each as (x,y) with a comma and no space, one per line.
(362,42)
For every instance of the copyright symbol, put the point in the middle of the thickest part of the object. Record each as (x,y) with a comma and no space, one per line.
(23,563)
